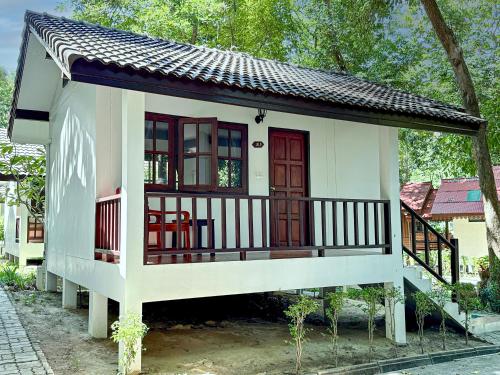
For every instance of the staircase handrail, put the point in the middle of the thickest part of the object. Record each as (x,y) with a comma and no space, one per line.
(442,238)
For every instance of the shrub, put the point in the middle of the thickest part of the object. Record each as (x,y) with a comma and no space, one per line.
(468,301)
(423,308)
(441,296)
(128,330)
(372,298)
(335,302)
(297,313)
(13,277)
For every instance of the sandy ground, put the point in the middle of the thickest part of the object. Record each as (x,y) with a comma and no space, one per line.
(230,335)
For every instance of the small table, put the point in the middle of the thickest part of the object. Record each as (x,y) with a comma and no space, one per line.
(200,223)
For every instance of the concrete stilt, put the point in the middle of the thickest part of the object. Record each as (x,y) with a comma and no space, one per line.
(69,295)
(127,308)
(398,334)
(98,315)
(50,282)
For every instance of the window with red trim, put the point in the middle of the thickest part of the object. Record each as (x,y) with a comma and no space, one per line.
(159,150)
(205,154)
(35,230)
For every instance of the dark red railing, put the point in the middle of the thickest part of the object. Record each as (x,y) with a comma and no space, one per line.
(433,242)
(266,223)
(107,228)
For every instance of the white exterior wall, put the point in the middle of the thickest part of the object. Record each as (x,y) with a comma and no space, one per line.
(471,237)
(22,250)
(72,185)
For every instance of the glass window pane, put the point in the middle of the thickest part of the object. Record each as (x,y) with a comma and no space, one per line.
(189,138)
(162,136)
(235,144)
(223,173)
(161,169)
(189,170)
(223,142)
(148,135)
(205,171)
(236,173)
(205,138)
(148,168)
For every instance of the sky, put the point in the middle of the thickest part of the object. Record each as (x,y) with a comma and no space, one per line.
(11,26)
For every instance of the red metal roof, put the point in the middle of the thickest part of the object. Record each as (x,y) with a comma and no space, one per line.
(415,194)
(451,198)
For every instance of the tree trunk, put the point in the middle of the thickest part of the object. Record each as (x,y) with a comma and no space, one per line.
(481,151)
(337,54)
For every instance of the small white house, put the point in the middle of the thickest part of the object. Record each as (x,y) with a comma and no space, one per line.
(177,171)
(23,235)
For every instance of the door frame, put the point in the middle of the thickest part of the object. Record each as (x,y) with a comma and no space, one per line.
(306,135)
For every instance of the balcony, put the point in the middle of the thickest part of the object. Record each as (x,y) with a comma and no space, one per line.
(219,227)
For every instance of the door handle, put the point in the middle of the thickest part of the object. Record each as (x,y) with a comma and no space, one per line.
(272,188)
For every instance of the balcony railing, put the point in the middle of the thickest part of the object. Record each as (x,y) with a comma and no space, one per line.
(194,223)
(107,228)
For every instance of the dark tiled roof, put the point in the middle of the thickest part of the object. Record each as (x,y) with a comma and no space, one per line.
(69,40)
(21,149)
(451,199)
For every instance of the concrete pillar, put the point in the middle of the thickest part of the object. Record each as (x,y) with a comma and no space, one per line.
(22,260)
(69,295)
(389,189)
(128,307)
(50,282)
(98,315)
(132,202)
(398,333)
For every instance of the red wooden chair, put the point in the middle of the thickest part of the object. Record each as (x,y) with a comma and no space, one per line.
(155,226)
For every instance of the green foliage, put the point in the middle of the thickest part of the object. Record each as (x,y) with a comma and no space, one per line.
(29,174)
(372,299)
(423,308)
(441,295)
(468,301)
(12,277)
(129,330)
(2,234)
(489,295)
(297,313)
(262,28)
(6,87)
(335,303)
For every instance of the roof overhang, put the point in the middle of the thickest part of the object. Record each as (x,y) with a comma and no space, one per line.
(36,84)
(95,72)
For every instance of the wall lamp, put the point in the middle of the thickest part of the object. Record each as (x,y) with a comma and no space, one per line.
(260,117)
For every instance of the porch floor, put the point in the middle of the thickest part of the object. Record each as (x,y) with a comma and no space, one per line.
(256,255)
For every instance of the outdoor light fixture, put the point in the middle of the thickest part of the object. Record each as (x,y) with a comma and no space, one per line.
(260,117)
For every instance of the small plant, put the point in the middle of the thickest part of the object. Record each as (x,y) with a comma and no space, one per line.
(441,296)
(372,298)
(468,301)
(393,296)
(335,302)
(423,308)
(128,330)
(297,313)
(11,276)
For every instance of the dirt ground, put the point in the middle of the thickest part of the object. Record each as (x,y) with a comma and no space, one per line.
(223,336)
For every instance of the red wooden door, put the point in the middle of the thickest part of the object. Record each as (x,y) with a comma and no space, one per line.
(288,178)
